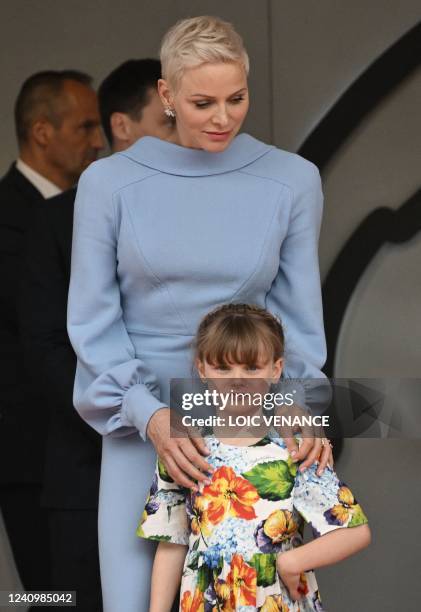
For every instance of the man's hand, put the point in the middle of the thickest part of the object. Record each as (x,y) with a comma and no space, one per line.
(183,457)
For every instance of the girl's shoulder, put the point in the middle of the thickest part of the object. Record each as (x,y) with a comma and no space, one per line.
(223,452)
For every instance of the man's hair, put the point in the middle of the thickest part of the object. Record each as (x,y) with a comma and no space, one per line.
(126,90)
(39,97)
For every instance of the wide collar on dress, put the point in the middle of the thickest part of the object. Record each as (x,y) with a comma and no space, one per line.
(183,161)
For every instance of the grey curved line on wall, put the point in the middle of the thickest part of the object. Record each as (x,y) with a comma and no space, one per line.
(383,224)
(374,84)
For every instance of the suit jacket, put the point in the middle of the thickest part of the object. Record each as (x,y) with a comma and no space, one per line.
(72,462)
(23,414)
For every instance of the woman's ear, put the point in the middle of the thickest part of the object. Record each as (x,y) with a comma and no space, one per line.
(165,93)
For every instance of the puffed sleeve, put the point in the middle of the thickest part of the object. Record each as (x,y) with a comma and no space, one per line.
(114,391)
(165,517)
(325,502)
(295,295)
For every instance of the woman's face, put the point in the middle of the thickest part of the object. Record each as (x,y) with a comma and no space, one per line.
(210,103)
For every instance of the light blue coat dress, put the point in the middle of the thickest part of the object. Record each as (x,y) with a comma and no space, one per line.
(162,235)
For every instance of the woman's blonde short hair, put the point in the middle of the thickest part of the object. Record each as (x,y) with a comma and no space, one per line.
(191,42)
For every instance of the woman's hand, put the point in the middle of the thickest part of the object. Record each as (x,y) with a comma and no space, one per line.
(183,456)
(289,574)
(310,451)
(314,446)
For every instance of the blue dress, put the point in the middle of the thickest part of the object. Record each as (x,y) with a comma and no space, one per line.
(162,235)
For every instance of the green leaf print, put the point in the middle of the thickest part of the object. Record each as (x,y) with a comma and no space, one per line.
(358,517)
(273,480)
(159,538)
(204,577)
(163,474)
(265,566)
(140,532)
(194,562)
(176,502)
(292,467)
(263,442)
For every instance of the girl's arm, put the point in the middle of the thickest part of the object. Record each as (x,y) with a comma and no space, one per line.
(337,520)
(326,550)
(166,575)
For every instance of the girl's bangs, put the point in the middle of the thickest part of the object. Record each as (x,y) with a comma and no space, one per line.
(239,342)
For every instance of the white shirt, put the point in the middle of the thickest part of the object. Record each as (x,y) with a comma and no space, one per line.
(44,186)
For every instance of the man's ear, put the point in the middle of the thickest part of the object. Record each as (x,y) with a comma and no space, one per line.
(42,132)
(120,127)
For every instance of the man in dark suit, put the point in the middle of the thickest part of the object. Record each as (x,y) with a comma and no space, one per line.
(130,108)
(58,131)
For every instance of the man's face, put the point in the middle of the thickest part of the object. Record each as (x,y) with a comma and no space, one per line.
(153,121)
(75,144)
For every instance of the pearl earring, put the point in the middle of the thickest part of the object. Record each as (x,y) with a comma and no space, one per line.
(169,112)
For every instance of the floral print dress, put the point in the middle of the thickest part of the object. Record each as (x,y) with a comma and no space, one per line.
(234,527)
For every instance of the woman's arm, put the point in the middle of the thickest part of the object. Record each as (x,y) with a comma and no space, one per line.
(295,296)
(114,391)
(326,550)
(166,575)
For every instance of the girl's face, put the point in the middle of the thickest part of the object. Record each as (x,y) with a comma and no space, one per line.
(268,370)
(210,103)
(241,379)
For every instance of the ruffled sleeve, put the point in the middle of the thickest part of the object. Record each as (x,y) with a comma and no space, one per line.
(165,516)
(325,502)
(114,390)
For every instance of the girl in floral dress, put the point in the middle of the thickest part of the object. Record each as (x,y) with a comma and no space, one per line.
(235,543)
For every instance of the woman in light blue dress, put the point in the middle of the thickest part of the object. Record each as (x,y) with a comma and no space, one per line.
(163,233)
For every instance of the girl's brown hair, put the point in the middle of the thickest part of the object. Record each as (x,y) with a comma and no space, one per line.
(239,333)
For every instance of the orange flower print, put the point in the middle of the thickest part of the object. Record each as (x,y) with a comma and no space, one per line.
(274,603)
(193,604)
(200,520)
(223,593)
(279,526)
(347,507)
(230,495)
(242,579)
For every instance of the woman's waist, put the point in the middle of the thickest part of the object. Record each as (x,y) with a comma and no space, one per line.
(159,334)
(156,332)
(160,343)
